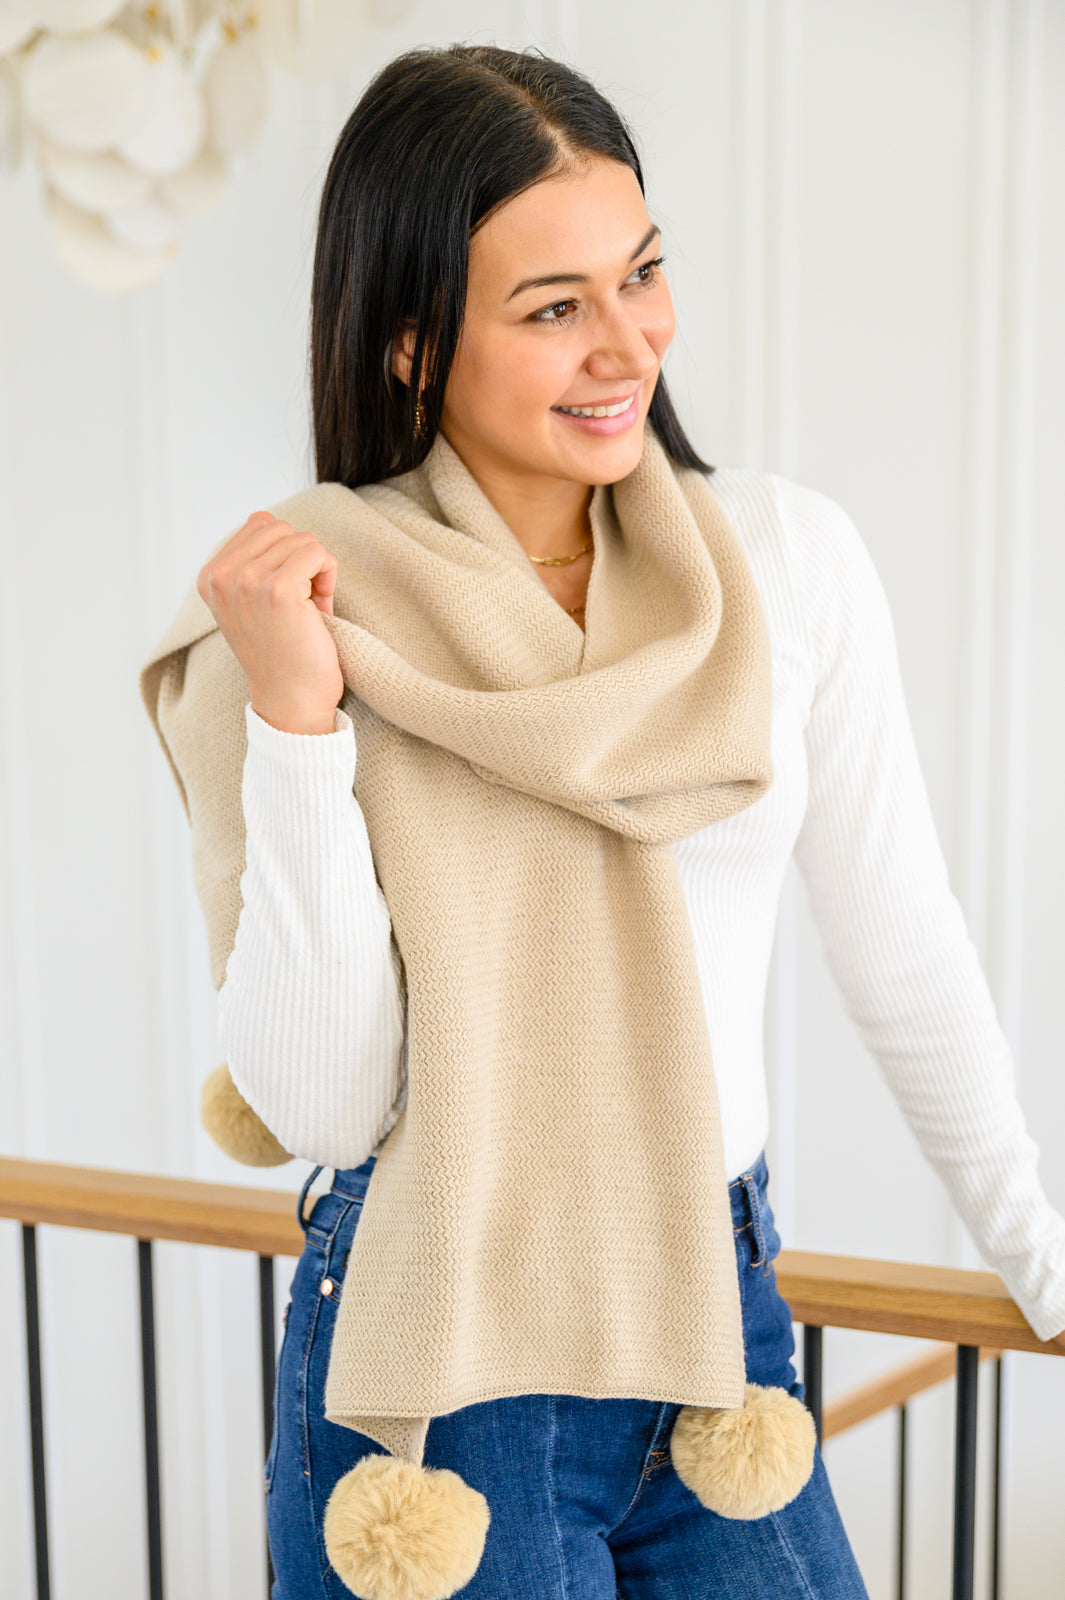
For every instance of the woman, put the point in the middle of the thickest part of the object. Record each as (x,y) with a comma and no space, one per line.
(470,983)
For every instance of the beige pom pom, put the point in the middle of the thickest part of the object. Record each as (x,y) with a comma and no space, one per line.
(395,1530)
(233,1125)
(748,1462)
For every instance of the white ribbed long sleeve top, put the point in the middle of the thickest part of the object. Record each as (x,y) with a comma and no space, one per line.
(311,1012)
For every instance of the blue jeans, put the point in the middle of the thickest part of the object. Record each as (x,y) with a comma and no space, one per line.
(585,1503)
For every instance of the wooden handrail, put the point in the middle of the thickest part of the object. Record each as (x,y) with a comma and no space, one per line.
(948,1303)
(829,1291)
(150,1207)
(893,1388)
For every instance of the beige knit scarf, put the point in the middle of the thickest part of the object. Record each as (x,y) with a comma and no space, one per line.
(550,1212)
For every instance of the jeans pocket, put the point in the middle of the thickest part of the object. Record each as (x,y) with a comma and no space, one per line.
(322,1289)
(766,1227)
(335,1246)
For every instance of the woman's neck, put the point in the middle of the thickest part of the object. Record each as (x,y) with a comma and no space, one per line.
(547,516)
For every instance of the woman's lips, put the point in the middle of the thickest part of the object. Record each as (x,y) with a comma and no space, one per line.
(603,425)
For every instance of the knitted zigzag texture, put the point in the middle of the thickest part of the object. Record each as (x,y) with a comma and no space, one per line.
(550,1211)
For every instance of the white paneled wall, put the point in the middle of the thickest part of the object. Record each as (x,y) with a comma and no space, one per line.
(864,221)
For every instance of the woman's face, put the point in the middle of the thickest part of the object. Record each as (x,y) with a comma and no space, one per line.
(566,307)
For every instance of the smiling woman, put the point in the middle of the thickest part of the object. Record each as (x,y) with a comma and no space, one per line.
(491,892)
(588,364)
(465,184)
(490,318)
(546,1251)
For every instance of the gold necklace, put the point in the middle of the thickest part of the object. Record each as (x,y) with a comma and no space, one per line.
(561,561)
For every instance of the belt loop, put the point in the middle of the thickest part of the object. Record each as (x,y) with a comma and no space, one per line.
(756,1219)
(303,1195)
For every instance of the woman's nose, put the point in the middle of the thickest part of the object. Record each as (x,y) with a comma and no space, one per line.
(621,349)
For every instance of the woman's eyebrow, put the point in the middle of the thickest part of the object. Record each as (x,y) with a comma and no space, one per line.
(577,277)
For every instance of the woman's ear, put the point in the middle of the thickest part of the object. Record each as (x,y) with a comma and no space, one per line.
(403,351)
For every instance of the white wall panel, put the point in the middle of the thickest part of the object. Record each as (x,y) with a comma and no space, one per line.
(1027,854)
(863,218)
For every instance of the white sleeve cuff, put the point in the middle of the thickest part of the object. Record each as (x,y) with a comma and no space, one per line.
(304,748)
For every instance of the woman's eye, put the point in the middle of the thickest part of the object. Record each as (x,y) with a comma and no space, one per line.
(648,273)
(563,311)
(547,314)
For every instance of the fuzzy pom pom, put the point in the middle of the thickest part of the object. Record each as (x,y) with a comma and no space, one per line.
(395,1530)
(234,1126)
(747,1462)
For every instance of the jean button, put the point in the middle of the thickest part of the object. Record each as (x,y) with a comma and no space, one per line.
(327,1285)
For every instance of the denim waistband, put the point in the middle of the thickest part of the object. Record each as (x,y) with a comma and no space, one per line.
(757,1175)
(748,1195)
(351,1183)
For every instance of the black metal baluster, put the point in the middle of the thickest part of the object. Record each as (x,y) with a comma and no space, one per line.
(151,1421)
(996,1508)
(902,1504)
(36,1405)
(812,1346)
(269,1369)
(965,1402)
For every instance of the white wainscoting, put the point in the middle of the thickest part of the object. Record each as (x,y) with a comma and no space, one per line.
(865,223)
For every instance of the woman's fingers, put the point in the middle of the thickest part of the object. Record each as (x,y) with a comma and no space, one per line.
(263,546)
(258,586)
(295,567)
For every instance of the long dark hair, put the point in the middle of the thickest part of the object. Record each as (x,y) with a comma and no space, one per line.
(440,139)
